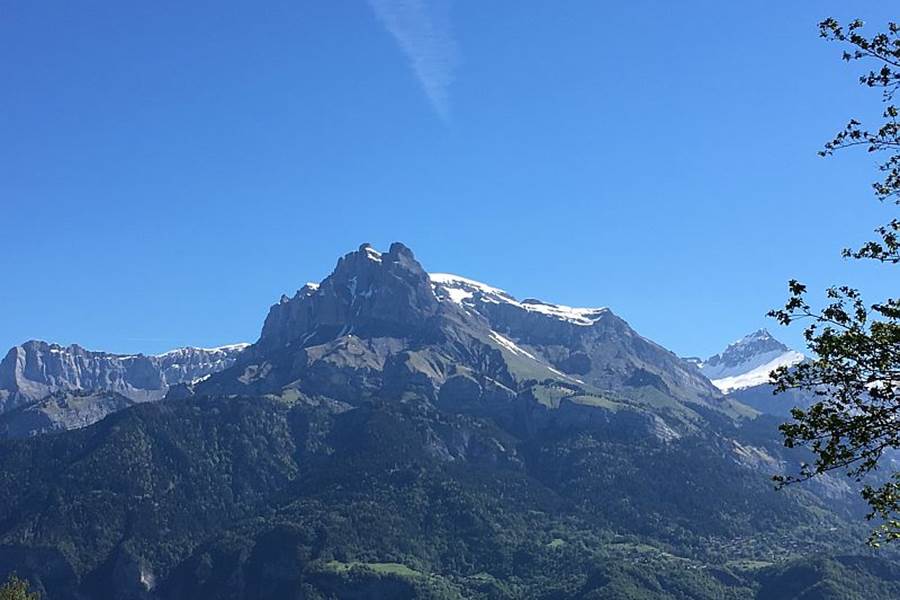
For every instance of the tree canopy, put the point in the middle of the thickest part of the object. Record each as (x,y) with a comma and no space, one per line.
(855,369)
(16,589)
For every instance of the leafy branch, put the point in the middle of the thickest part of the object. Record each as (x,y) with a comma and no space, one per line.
(855,369)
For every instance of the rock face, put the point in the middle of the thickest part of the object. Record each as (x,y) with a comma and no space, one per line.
(186,365)
(369,294)
(592,345)
(36,369)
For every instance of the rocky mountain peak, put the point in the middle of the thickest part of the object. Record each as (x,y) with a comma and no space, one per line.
(748,361)
(751,345)
(369,293)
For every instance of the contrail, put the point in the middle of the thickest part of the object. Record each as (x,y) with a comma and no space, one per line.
(422,29)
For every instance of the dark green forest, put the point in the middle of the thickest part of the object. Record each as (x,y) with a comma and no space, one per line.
(261,498)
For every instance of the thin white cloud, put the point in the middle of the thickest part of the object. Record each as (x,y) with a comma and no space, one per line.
(422,30)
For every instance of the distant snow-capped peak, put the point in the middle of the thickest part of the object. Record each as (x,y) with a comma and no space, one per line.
(226,349)
(748,361)
(462,290)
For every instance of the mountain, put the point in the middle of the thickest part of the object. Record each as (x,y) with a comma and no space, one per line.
(57,385)
(395,434)
(742,370)
(748,361)
(380,326)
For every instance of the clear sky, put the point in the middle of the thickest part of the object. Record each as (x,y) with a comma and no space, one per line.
(168,169)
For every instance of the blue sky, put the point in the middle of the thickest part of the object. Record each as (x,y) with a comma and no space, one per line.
(169,169)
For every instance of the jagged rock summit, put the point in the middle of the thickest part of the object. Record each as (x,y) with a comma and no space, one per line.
(369,294)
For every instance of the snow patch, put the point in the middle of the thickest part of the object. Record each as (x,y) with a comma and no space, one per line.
(724,369)
(448,279)
(758,375)
(580,316)
(458,294)
(462,289)
(511,345)
(372,253)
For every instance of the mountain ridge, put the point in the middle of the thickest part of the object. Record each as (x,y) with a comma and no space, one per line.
(36,369)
